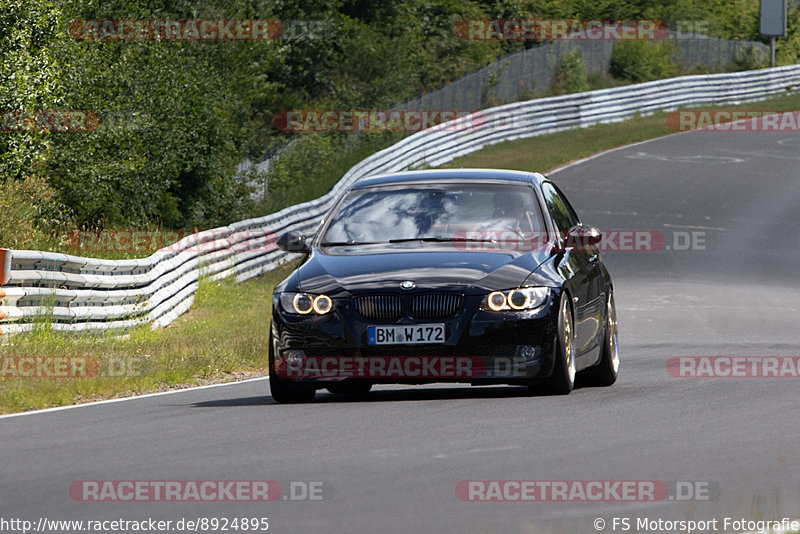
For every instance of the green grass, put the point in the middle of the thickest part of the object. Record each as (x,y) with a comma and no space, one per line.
(223,337)
(546,152)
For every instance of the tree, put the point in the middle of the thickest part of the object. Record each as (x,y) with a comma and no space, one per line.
(28,81)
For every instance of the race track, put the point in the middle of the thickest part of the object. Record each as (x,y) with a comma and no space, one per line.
(391,463)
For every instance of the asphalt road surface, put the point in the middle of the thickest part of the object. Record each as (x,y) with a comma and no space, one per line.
(391,463)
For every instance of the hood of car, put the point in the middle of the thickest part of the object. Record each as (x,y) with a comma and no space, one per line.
(344,271)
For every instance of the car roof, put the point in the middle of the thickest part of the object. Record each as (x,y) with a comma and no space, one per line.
(459,175)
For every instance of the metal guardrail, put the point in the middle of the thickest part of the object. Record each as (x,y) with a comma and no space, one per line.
(86,294)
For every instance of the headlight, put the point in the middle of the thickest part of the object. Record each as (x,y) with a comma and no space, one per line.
(305,304)
(521,298)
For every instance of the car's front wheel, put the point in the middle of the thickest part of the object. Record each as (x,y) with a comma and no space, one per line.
(283,391)
(605,373)
(562,380)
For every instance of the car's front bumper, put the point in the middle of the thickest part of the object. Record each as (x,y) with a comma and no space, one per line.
(480,347)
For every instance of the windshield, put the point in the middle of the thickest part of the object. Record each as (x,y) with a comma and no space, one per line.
(436,213)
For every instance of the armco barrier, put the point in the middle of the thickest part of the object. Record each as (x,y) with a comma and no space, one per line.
(86,294)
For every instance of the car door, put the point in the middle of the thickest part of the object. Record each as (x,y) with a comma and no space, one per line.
(580,266)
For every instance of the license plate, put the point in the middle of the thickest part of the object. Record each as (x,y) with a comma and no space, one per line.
(406,335)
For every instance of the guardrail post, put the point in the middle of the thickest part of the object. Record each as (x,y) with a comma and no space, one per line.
(5,265)
(5,274)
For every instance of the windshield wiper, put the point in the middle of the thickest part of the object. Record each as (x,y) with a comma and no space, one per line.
(431,239)
(472,240)
(346,243)
(442,239)
(407,239)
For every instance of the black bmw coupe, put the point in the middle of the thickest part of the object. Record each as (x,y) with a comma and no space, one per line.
(467,275)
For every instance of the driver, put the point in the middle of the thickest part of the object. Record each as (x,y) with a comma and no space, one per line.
(509,211)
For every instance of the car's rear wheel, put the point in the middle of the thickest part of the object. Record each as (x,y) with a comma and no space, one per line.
(562,380)
(283,391)
(351,387)
(605,373)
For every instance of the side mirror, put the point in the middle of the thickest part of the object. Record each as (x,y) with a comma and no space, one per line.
(583,237)
(293,242)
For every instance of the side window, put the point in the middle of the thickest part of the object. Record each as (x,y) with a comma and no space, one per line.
(558,206)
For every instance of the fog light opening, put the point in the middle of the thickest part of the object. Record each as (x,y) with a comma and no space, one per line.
(294,356)
(527,352)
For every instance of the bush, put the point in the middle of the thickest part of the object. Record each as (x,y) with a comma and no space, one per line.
(570,76)
(29,214)
(748,59)
(29,80)
(312,165)
(642,61)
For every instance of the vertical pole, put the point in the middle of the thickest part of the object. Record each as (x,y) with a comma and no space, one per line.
(772,51)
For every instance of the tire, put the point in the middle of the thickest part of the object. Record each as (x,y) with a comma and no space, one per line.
(605,373)
(562,380)
(351,387)
(283,391)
